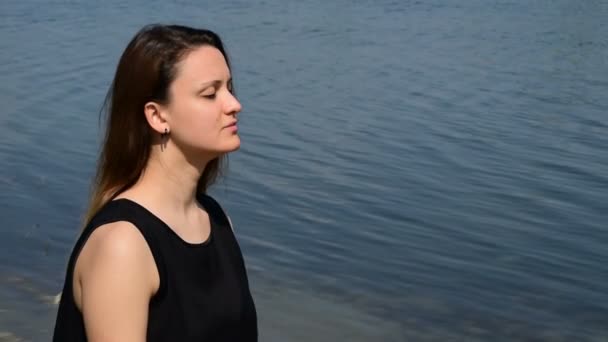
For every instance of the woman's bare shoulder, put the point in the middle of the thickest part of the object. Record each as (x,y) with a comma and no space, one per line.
(115,279)
(117,247)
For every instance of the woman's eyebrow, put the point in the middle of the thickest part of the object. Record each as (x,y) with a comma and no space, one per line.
(214,83)
(210,83)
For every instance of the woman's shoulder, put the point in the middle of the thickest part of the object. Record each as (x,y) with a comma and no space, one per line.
(117,276)
(211,204)
(118,239)
(112,239)
(117,245)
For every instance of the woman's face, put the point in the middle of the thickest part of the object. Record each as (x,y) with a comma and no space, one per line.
(202,112)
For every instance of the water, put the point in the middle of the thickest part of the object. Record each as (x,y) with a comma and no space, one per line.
(421,171)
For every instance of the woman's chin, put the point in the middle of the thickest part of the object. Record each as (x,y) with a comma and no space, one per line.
(233,145)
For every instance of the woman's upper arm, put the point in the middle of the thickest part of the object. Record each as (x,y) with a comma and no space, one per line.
(117,280)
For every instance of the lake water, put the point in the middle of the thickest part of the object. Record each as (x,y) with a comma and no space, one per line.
(410,170)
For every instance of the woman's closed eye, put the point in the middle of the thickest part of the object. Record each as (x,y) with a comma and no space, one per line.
(209,94)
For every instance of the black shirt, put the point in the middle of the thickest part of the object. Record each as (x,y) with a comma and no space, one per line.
(203,294)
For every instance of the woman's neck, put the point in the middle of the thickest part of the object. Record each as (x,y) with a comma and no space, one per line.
(169,182)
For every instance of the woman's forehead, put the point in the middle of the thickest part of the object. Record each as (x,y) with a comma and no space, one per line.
(205,63)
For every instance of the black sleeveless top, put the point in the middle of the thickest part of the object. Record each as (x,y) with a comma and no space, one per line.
(203,294)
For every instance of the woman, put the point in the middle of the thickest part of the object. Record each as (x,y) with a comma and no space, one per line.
(157,259)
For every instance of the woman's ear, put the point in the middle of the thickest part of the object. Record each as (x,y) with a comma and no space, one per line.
(157,119)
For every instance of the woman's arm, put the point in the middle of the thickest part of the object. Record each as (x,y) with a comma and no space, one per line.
(117,277)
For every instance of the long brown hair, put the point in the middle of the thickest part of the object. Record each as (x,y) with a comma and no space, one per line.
(144,73)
